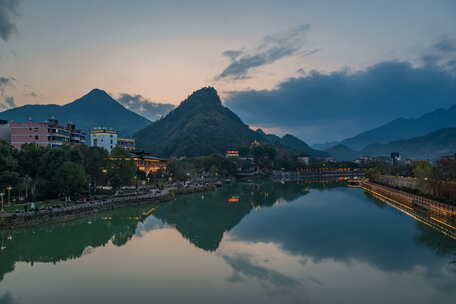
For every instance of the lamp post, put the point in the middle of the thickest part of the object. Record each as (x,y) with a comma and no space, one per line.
(9,194)
(1,195)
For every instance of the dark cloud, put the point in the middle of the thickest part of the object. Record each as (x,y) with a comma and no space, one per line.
(442,53)
(149,109)
(446,45)
(320,106)
(271,49)
(8,12)
(6,81)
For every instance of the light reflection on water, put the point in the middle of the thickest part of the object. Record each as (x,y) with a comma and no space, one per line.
(280,244)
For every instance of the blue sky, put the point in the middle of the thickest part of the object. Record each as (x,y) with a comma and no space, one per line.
(54,51)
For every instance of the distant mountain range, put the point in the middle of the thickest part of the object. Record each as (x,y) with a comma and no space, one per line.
(201,125)
(430,146)
(404,128)
(292,142)
(95,109)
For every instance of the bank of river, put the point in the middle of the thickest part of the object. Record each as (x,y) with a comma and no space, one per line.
(12,220)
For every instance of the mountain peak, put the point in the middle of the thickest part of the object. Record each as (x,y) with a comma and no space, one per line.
(206,95)
(97,93)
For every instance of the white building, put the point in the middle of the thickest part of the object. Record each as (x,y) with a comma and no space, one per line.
(104,138)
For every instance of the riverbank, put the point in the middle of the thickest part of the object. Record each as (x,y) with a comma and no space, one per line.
(410,200)
(11,220)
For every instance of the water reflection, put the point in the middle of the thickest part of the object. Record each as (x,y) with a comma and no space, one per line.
(288,238)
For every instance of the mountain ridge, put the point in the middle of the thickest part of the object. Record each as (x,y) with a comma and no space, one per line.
(404,128)
(96,108)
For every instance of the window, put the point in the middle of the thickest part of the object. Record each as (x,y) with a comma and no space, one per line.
(37,137)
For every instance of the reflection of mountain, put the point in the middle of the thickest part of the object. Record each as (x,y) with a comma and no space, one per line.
(61,242)
(204,221)
(341,225)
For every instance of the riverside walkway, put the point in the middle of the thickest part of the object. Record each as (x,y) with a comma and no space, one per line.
(78,209)
(410,199)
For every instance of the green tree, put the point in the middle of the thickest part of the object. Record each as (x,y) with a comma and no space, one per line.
(423,170)
(121,168)
(72,179)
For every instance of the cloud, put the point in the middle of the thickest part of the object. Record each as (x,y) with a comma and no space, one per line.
(446,45)
(6,102)
(441,53)
(8,12)
(149,109)
(243,266)
(7,298)
(271,49)
(327,106)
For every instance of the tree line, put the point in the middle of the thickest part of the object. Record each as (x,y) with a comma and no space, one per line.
(36,172)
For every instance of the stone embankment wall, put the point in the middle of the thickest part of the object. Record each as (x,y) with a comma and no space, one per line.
(31,218)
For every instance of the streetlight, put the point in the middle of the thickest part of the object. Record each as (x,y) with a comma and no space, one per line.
(9,193)
(1,195)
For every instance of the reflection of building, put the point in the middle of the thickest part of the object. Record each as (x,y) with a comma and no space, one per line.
(126,143)
(232,153)
(104,138)
(48,133)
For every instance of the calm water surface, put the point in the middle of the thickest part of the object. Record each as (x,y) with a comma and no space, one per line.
(282,243)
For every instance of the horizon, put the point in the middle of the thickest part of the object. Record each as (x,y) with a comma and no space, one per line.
(291,68)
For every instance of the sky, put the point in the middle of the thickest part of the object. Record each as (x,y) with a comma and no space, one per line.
(322,70)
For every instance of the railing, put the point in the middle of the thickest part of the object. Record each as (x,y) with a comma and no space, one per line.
(412,199)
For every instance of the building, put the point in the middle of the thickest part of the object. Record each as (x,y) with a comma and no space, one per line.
(46,134)
(449,157)
(304,159)
(128,144)
(5,130)
(104,138)
(146,162)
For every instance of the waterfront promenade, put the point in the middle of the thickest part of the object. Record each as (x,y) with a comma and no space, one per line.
(78,209)
(410,199)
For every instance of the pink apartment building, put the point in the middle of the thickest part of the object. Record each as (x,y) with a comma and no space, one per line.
(48,133)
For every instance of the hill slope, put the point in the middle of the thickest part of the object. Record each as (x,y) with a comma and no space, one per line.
(343,153)
(403,128)
(96,108)
(291,142)
(200,125)
(431,146)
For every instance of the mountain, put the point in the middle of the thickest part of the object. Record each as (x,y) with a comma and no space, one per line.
(200,125)
(404,128)
(431,146)
(291,142)
(325,146)
(343,153)
(94,109)
(296,144)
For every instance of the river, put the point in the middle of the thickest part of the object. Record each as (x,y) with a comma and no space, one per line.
(281,243)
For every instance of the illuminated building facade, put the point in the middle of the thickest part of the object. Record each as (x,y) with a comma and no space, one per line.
(128,144)
(104,138)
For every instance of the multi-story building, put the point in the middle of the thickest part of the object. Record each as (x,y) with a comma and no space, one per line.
(104,138)
(49,134)
(128,144)
(145,161)
(5,130)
